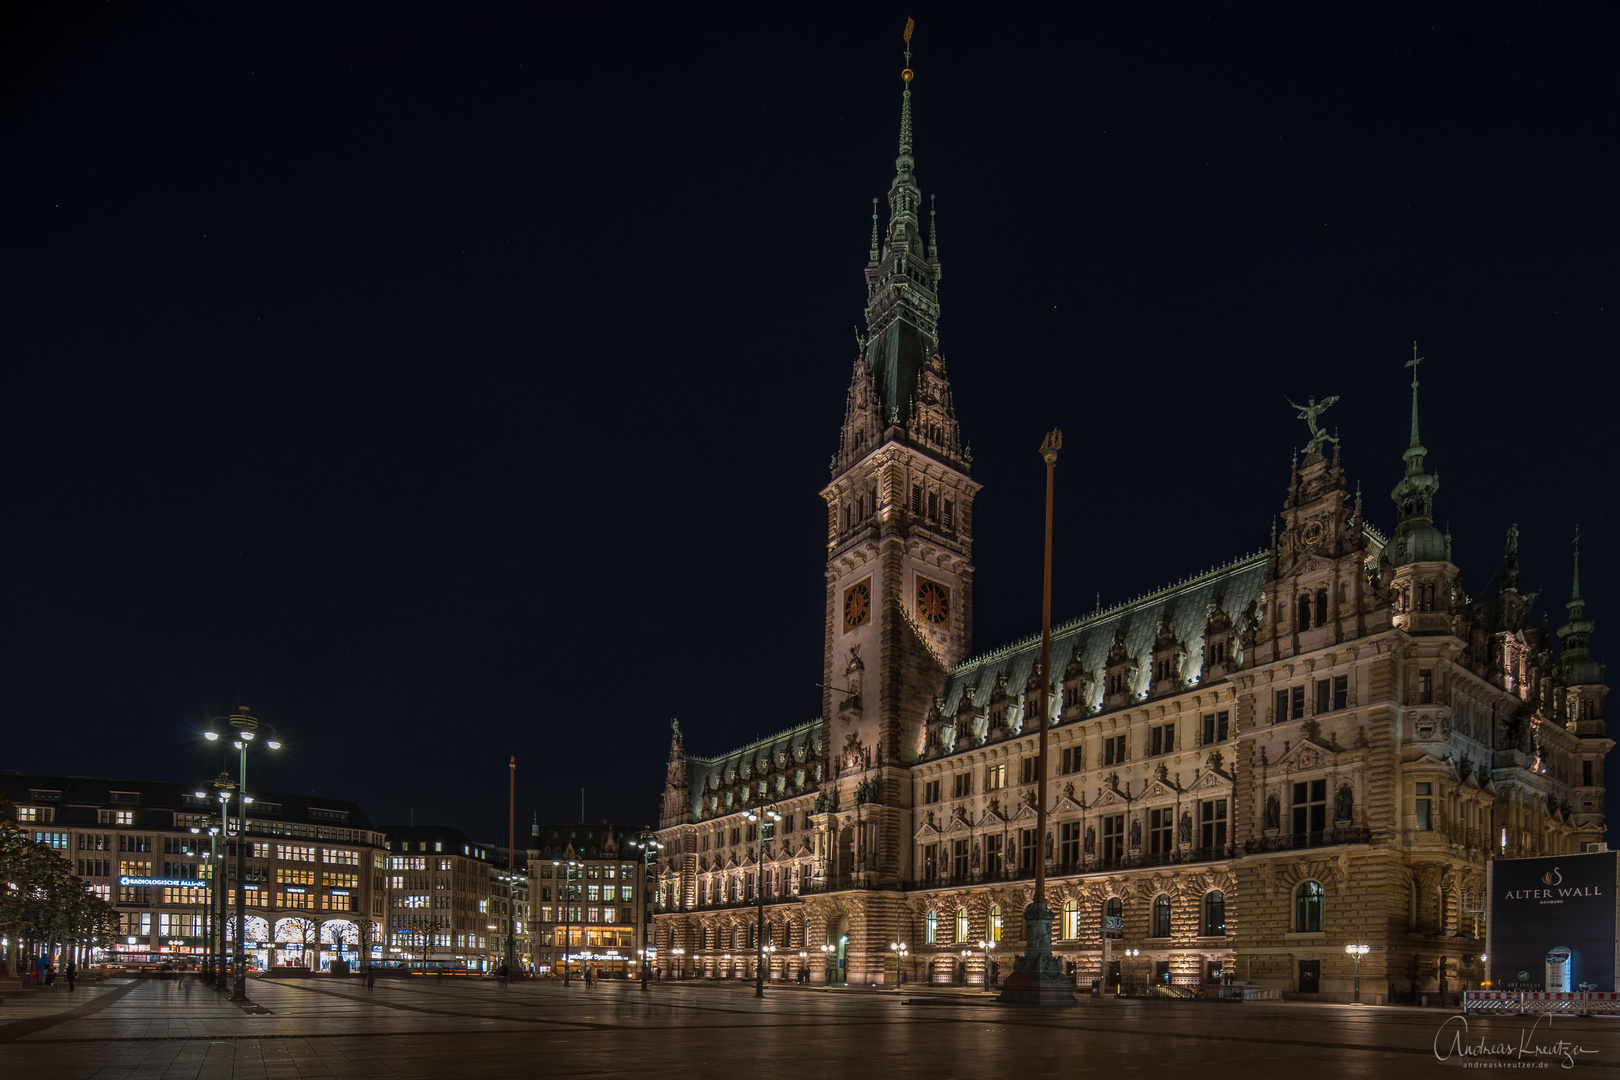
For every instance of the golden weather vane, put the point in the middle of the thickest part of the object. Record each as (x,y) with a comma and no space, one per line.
(911,24)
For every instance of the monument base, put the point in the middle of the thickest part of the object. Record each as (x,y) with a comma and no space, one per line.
(1037,977)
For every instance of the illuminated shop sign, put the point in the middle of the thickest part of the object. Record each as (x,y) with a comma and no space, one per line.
(127,882)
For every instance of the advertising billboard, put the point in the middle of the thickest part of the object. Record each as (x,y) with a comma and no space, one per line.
(1552,922)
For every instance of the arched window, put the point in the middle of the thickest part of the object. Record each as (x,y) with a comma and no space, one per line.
(1308,908)
(1071,920)
(1305,611)
(1115,908)
(1161,916)
(931,928)
(1214,914)
(995,922)
(962,925)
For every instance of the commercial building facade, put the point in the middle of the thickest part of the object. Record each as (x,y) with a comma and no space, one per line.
(450,901)
(1315,745)
(587,898)
(308,866)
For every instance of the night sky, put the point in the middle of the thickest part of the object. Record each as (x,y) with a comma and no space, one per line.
(455,383)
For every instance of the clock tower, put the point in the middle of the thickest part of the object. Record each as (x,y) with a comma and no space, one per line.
(899,602)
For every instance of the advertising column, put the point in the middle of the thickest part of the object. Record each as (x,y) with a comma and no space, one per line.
(1553,923)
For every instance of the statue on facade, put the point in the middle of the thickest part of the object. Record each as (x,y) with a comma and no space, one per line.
(1273,812)
(1344,803)
(1309,413)
(1091,840)
(1185,831)
(1136,832)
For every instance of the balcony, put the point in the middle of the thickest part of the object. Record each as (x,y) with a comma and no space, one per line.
(1087,865)
(1292,841)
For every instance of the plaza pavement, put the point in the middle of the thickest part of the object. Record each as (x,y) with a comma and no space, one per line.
(413,1027)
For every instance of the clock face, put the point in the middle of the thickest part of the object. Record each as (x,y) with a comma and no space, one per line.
(858,604)
(933,601)
(1313,533)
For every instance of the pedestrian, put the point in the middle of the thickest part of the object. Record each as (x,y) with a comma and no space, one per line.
(72,973)
(50,973)
(40,964)
(500,976)
(371,978)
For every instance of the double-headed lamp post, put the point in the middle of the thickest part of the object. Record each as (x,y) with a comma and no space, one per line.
(900,950)
(649,847)
(247,729)
(986,946)
(680,963)
(763,817)
(209,927)
(827,962)
(1130,967)
(1356,953)
(565,868)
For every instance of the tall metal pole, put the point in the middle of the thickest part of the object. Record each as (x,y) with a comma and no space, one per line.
(239,985)
(511,863)
(759,930)
(1049,449)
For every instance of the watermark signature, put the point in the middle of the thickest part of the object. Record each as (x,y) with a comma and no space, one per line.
(1533,1050)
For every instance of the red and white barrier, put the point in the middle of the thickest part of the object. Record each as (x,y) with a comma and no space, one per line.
(1541,1003)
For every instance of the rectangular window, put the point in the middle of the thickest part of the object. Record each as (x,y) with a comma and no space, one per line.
(1163,738)
(57,840)
(992,856)
(1114,750)
(1113,838)
(931,791)
(1296,707)
(1161,828)
(1281,711)
(1072,759)
(961,785)
(1212,823)
(1027,771)
(930,861)
(1069,843)
(950,514)
(1424,819)
(1425,686)
(916,498)
(1586,774)
(995,777)
(933,506)
(1215,727)
(959,858)
(1028,848)
(1324,695)
(1310,807)
(1341,691)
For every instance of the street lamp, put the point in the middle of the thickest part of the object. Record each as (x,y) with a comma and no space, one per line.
(827,961)
(1357,952)
(966,955)
(565,869)
(648,846)
(900,951)
(1130,968)
(247,728)
(987,946)
(765,816)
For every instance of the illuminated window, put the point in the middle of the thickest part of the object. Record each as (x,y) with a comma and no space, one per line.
(995,922)
(1214,914)
(1161,917)
(931,928)
(1071,920)
(962,925)
(1308,908)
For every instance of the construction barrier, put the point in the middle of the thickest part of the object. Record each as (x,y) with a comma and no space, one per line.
(1539,1003)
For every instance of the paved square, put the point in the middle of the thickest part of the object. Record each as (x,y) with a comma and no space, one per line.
(410,1027)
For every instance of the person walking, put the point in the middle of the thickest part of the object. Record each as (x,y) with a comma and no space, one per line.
(50,973)
(371,978)
(72,972)
(40,963)
(500,976)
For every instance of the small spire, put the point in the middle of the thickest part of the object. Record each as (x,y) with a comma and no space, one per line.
(933,229)
(1414,451)
(874,252)
(1575,602)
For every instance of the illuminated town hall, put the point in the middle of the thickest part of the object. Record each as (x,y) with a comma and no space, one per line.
(1316,745)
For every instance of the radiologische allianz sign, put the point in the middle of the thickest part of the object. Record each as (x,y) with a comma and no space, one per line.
(1541,905)
(128,882)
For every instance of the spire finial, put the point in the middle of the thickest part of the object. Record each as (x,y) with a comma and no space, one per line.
(933,228)
(874,252)
(1413,364)
(1575,593)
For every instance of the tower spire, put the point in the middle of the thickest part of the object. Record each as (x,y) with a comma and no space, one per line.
(1579,667)
(1414,451)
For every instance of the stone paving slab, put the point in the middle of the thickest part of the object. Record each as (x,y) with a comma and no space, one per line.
(417,1028)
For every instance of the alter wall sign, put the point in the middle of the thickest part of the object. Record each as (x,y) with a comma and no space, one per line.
(1539,907)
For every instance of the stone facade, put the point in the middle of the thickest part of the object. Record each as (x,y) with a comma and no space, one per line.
(1316,745)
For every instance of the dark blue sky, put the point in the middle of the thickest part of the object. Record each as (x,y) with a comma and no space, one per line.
(451,383)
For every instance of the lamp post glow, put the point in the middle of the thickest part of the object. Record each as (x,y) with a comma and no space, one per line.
(986,946)
(827,961)
(900,951)
(680,962)
(764,817)
(246,730)
(1357,952)
(648,845)
(1130,968)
